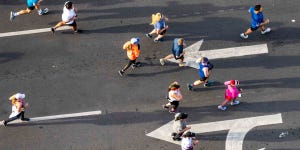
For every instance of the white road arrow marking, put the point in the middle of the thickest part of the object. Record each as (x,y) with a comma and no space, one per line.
(59,116)
(192,53)
(238,128)
(31,31)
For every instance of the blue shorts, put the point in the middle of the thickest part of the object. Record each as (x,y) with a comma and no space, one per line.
(31,3)
(254,28)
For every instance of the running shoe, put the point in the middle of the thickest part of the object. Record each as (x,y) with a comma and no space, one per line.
(189,86)
(4,123)
(12,16)
(133,66)
(181,65)
(155,40)
(52,30)
(223,108)
(235,103)
(162,62)
(121,73)
(148,35)
(242,35)
(43,11)
(266,31)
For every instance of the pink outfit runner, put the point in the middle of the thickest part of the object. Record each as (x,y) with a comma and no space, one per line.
(232,91)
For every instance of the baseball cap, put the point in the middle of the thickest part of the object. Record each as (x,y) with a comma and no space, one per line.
(20,96)
(181,116)
(134,40)
(234,82)
(189,134)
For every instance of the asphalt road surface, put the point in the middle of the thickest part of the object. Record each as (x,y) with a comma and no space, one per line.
(72,73)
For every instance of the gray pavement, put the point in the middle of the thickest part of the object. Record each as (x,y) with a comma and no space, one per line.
(68,73)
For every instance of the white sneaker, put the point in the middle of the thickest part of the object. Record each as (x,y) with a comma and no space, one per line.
(162,62)
(12,16)
(235,103)
(266,31)
(222,107)
(242,35)
(43,11)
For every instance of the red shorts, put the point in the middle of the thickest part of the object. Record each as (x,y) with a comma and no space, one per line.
(228,98)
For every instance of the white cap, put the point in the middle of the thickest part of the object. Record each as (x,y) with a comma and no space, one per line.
(20,96)
(134,40)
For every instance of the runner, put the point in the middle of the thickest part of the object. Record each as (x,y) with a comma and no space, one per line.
(257,21)
(18,108)
(231,93)
(160,27)
(31,5)
(174,97)
(177,52)
(180,126)
(205,68)
(133,51)
(188,141)
(68,17)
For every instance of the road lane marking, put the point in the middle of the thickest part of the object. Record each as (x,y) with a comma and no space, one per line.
(34,31)
(62,116)
(238,128)
(192,53)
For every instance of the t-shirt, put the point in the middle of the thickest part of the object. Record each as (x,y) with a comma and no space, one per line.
(171,92)
(202,66)
(159,24)
(68,14)
(179,125)
(186,143)
(31,3)
(256,19)
(177,49)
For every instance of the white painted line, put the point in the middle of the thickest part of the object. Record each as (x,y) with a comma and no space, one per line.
(31,31)
(59,117)
(238,128)
(192,53)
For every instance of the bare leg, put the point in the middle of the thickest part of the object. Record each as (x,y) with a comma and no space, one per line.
(168,57)
(62,23)
(21,12)
(249,31)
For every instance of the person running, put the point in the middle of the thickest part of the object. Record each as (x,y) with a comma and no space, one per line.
(174,97)
(68,17)
(31,5)
(257,21)
(133,51)
(205,68)
(231,93)
(160,27)
(177,52)
(18,108)
(180,126)
(188,141)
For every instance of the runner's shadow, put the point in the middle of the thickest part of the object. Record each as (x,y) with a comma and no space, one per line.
(9,56)
(157,73)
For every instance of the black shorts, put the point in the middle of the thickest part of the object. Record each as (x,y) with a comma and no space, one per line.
(163,32)
(203,78)
(175,104)
(73,24)
(31,7)
(181,57)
